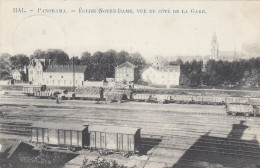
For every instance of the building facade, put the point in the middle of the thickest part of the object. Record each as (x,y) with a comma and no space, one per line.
(17,75)
(125,72)
(64,75)
(166,75)
(35,70)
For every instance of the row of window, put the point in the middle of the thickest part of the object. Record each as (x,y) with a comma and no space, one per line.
(123,75)
(163,76)
(63,82)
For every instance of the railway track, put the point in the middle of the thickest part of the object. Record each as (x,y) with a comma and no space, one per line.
(176,130)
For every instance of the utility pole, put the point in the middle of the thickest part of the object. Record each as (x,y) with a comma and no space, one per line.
(73,72)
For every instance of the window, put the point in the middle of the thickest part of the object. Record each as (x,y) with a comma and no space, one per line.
(50,76)
(61,76)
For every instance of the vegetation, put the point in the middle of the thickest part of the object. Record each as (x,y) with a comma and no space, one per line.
(220,73)
(100,163)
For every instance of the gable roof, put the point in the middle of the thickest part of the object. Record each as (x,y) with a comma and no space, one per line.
(169,68)
(65,68)
(113,129)
(7,147)
(126,64)
(15,70)
(59,126)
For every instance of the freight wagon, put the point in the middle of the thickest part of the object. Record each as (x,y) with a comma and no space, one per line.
(246,110)
(92,93)
(160,98)
(236,100)
(60,134)
(101,137)
(182,99)
(141,97)
(117,138)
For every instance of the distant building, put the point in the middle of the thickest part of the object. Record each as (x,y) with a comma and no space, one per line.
(17,75)
(160,61)
(165,75)
(35,70)
(217,54)
(63,75)
(125,72)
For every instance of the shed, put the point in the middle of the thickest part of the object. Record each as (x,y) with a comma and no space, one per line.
(120,138)
(63,134)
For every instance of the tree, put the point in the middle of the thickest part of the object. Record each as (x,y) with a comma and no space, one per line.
(58,56)
(139,62)
(76,61)
(19,61)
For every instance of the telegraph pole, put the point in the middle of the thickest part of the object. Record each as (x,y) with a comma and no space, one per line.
(73,72)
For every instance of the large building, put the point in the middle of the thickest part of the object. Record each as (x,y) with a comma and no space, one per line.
(125,72)
(165,75)
(217,54)
(35,70)
(64,75)
(43,72)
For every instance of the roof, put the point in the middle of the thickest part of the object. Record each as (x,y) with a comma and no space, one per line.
(169,68)
(7,147)
(65,68)
(114,129)
(16,70)
(59,126)
(126,64)
(34,61)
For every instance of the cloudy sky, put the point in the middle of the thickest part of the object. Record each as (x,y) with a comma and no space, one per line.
(167,34)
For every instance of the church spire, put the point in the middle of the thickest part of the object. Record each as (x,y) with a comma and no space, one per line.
(214,46)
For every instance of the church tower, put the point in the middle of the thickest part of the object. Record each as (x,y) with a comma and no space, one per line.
(214,47)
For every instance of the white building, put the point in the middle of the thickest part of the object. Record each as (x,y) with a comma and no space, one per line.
(17,75)
(166,75)
(63,75)
(125,72)
(35,71)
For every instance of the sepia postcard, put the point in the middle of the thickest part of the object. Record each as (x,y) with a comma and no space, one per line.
(129,84)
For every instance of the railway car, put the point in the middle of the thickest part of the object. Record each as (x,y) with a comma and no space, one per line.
(91,93)
(182,99)
(32,89)
(160,98)
(255,101)
(237,100)
(67,95)
(115,138)
(210,100)
(141,97)
(60,134)
(246,110)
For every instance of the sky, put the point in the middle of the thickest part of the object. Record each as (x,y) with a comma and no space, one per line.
(236,23)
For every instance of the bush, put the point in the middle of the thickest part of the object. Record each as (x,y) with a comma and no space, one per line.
(101,163)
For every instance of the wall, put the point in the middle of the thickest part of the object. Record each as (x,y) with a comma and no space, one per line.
(124,73)
(62,79)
